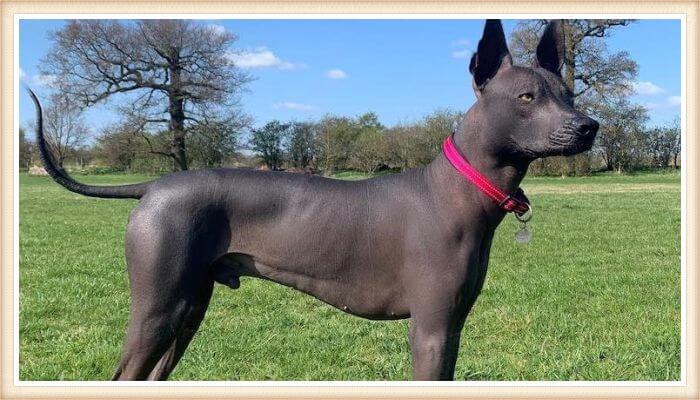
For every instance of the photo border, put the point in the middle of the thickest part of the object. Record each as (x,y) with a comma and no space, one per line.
(11,387)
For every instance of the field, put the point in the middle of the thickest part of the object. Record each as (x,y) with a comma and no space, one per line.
(595,296)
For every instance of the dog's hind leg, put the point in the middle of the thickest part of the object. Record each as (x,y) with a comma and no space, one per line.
(164,318)
(193,317)
(171,285)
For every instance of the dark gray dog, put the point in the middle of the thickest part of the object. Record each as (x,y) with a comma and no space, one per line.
(414,244)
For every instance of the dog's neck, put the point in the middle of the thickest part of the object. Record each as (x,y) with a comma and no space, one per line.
(447,180)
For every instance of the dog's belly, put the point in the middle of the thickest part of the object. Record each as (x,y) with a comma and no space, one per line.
(361,296)
(341,242)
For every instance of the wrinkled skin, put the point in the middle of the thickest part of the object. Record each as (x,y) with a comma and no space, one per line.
(414,244)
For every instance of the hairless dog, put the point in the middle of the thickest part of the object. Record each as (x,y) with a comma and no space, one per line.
(409,245)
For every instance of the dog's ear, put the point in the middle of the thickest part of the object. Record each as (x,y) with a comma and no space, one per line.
(551,49)
(491,55)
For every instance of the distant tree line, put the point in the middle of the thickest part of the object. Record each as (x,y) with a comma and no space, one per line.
(336,143)
(342,143)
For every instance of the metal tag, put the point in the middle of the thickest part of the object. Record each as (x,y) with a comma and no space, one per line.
(523,235)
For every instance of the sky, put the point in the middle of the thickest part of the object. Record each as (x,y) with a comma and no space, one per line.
(400,69)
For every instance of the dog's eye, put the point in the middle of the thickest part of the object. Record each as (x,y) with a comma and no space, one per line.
(526,97)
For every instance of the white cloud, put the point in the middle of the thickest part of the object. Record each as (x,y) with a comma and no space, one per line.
(464,48)
(673,101)
(261,57)
(217,29)
(294,106)
(670,102)
(44,80)
(462,43)
(336,74)
(22,74)
(647,88)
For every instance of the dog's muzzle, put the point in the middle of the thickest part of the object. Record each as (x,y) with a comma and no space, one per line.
(585,127)
(575,136)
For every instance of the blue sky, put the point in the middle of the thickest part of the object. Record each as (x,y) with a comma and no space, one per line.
(400,69)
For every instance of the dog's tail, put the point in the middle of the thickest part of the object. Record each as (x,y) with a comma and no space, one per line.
(59,175)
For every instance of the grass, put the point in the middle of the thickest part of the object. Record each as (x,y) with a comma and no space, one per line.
(595,296)
(356,176)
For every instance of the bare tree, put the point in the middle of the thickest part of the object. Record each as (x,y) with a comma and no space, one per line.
(676,151)
(26,150)
(622,140)
(588,67)
(176,73)
(664,144)
(119,145)
(64,128)
(408,146)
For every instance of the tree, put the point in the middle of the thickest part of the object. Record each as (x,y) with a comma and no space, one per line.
(335,141)
(369,151)
(268,140)
(406,147)
(26,150)
(83,156)
(303,149)
(338,136)
(677,147)
(592,73)
(174,73)
(588,67)
(621,139)
(664,145)
(64,128)
(119,145)
(369,122)
(145,162)
(417,144)
(438,125)
(211,144)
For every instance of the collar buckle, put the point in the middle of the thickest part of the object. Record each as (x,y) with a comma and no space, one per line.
(504,201)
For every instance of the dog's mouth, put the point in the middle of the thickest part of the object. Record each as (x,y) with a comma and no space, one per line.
(567,141)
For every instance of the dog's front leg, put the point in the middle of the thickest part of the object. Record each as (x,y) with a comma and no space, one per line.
(434,339)
(434,353)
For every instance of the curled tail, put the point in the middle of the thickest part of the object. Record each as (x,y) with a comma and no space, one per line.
(59,175)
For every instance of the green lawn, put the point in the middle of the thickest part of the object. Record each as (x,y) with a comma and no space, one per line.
(595,296)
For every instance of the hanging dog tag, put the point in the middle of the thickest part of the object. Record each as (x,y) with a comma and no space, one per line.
(523,235)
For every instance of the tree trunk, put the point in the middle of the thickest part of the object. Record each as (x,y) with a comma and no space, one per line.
(60,159)
(569,57)
(608,162)
(570,76)
(177,116)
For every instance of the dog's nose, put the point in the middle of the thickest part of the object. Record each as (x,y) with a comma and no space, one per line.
(586,126)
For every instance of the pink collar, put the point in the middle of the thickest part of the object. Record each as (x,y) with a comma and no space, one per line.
(517,203)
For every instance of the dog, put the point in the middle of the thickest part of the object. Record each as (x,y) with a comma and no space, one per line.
(409,245)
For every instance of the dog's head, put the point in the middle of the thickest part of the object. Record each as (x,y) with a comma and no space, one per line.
(526,113)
